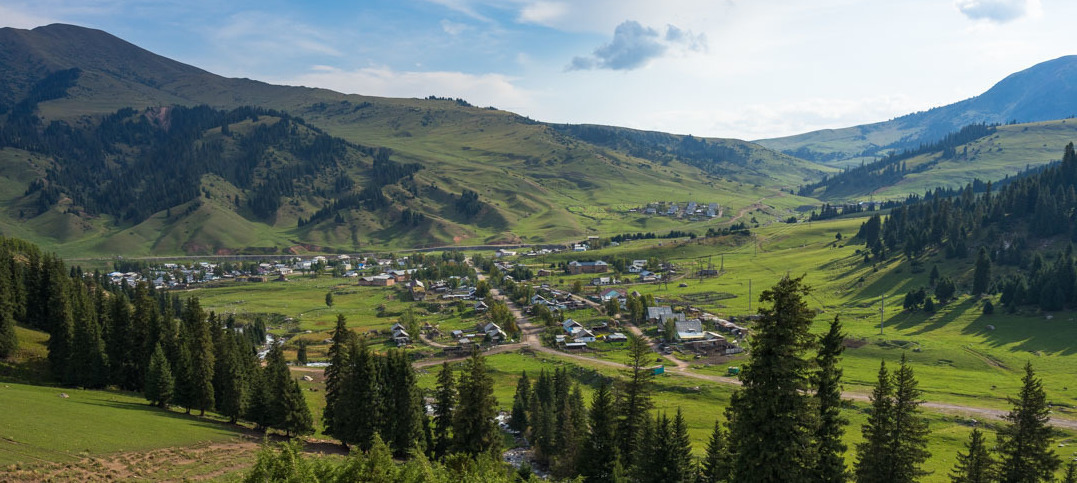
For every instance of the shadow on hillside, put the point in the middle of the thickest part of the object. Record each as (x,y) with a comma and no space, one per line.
(936,322)
(170,413)
(1030,334)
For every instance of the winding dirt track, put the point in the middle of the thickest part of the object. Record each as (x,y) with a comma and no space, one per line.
(529,338)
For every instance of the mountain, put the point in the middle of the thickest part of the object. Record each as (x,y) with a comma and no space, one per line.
(1043,92)
(93,129)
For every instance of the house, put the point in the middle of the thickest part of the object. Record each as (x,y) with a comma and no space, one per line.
(577,267)
(616,337)
(579,247)
(575,345)
(539,300)
(382,280)
(494,333)
(559,339)
(417,289)
(611,294)
(688,330)
(571,326)
(504,253)
(598,281)
(647,276)
(457,334)
(399,335)
(583,335)
(659,314)
(481,306)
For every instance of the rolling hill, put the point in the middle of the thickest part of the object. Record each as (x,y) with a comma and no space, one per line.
(536,182)
(1043,92)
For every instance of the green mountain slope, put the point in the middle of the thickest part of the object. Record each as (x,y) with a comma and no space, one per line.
(1043,92)
(534,182)
(990,153)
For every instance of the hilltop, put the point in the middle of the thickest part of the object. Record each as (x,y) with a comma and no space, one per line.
(1043,92)
(532,182)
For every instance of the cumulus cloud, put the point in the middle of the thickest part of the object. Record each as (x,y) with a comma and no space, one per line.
(634,46)
(481,89)
(997,11)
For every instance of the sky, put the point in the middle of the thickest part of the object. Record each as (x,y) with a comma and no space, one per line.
(745,69)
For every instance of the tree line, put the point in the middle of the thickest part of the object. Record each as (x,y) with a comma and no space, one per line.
(784,424)
(1005,225)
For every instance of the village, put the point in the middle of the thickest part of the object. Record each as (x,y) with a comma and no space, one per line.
(583,306)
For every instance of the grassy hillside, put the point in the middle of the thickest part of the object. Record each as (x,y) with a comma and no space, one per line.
(538,183)
(1042,92)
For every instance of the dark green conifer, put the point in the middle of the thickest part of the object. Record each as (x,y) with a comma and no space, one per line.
(474,428)
(444,404)
(520,401)
(830,427)
(773,426)
(716,462)
(1025,442)
(873,455)
(598,456)
(633,397)
(976,464)
(158,386)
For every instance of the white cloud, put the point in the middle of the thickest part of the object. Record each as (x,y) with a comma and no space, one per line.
(481,90)
(453,28)
(543,13)
(634,46)
(13,17)
(264,35)
(998,11)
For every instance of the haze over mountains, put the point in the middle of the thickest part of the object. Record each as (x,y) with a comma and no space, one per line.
(480,175)
(1043,92)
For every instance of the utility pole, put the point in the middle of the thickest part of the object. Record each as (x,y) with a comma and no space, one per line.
(749,296)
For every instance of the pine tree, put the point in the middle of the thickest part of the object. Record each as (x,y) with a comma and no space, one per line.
(829,448)
(773,423)
(873,456)
(1070,475)
(286,409)
(976,464)
(681,465)
(520,402)
(200,346)
(403,406)
(230,378)
(444,404)
(598,456)
(1024,444)
(336,373)
(87,363)
(474,428)
(633,397)
(982,276)
(716,462)
(158,387)
(57,318)
(910,430)
(358,413)
(8,340)
(297,418)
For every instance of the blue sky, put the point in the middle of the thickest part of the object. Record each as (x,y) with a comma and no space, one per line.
(725,68)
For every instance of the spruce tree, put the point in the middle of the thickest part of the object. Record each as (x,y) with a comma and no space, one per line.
(200,346)
(58,319)
(158,386)
(520,401)
(598,456)
(8,340)
(982,276)
(297,418)
(336,373)
(873,455)
(681,465)
(773,423)
(474,429)
(230,378)
(444,404)
(404,406)
(910,429)
(358,413)
(633,397)
(87,363)
(829,448)
(976,464)
(1070,475)
(716,462)
(1024,443)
